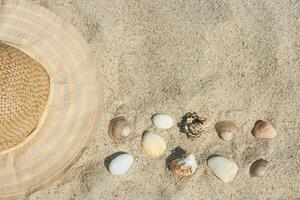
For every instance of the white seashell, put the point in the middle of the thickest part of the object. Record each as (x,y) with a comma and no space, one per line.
(184,166)
(119,128)
(264,129)
(259,168)
(153,145)
(227,129)
(221,167)
(120,164)
(163,121)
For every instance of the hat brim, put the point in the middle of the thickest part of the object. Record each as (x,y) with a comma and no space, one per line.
(75,102)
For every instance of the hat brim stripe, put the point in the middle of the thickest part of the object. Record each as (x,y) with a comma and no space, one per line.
(91,113)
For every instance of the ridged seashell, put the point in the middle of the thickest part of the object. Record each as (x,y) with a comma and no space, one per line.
(193,125)
(264,129)
(184,166)
(227,129)
(163,121)
(226,170)
(119,128)
(153,145)
(120,164)
(259,168)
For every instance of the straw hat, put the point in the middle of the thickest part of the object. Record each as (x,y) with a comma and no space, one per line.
(50,97)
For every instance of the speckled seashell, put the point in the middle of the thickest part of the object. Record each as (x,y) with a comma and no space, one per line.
(227,129)
(184,166)
(264,129)
(153,145)
(259,168)
(224,169)
(193,125)
(119,128)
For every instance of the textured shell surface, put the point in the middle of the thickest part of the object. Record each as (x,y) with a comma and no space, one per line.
(194,125)
(184,166)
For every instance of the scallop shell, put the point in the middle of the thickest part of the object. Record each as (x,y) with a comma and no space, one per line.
(259,168)
(153,145)
(227,129)
(119,128)
(264,129)
(184,166)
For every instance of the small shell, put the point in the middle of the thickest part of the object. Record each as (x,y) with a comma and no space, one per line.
(163,121)
(227,129)
(264,129)
(221,167)
(259,168)
(120,164)
(184,166)
(119,128)
(193,125)
(153,145)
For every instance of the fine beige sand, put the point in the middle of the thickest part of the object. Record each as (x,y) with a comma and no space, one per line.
(237,60)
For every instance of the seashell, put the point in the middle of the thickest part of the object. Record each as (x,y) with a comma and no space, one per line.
(224,169)
(120,164)
(119,128)
(227,129)
(163,121)
(184,166)
(193,125)
(264,129)
(259,168)
(153,145)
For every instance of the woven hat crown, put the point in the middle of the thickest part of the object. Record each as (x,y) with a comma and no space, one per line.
(24,90)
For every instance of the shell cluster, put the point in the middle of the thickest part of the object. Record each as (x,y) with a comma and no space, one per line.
(155,146)
(193,125)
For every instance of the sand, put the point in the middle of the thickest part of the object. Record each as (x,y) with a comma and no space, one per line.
(237,60)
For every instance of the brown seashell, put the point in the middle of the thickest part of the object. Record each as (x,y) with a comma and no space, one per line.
(194,125)
(227,129)
(119,128)
(184,166)
(264,129)
(259,168)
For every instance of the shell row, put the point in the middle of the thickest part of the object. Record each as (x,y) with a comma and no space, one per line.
(155,146)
